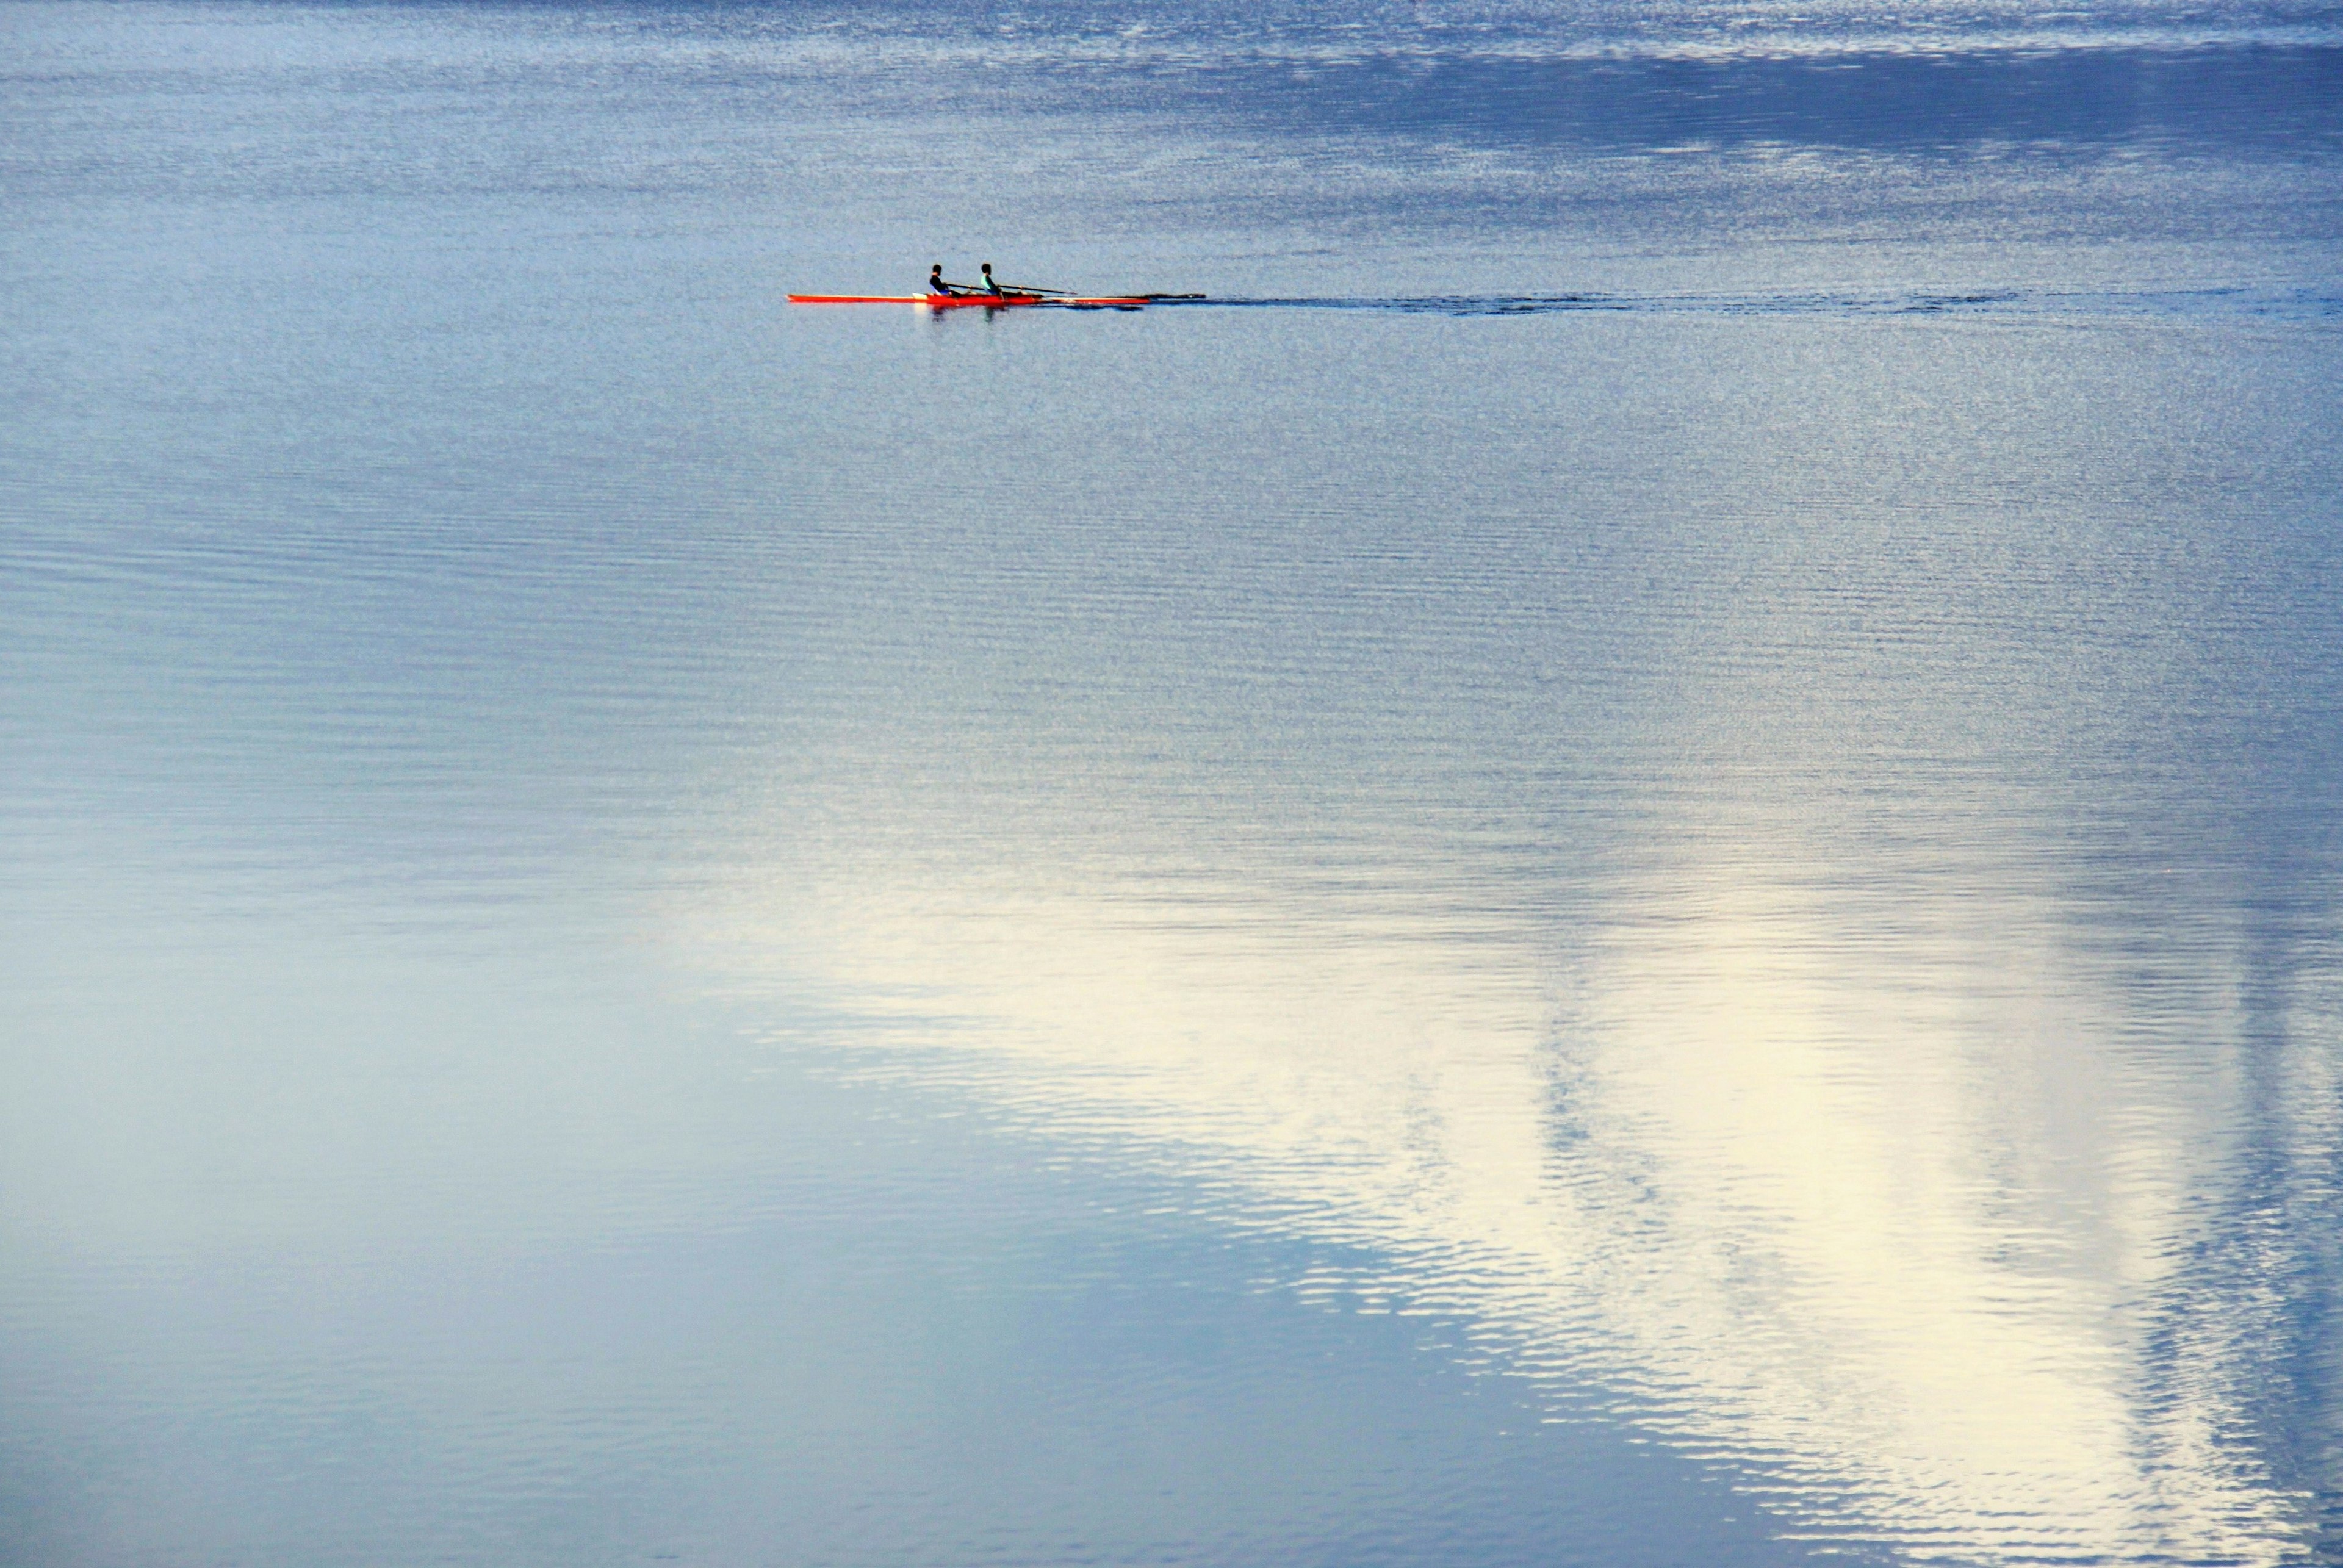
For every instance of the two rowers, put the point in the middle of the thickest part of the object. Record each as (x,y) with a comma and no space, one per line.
(935,284)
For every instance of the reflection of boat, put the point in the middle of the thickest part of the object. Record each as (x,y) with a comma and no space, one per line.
(991,301)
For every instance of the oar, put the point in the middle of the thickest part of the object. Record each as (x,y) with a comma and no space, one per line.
(1030,288)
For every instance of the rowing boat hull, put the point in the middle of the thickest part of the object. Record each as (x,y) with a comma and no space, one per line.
(963,301)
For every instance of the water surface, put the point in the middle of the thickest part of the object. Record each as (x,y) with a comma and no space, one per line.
(1634,860)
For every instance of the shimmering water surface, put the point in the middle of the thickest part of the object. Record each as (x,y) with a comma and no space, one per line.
(1635,860)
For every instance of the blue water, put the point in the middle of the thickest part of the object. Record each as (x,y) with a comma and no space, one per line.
(1634,859)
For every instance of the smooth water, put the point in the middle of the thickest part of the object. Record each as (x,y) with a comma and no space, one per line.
(1634,861)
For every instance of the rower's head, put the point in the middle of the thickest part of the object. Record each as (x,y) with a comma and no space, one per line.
(937,270)
(988,269)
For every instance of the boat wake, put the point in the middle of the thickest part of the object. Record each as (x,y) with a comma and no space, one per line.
(2296,305)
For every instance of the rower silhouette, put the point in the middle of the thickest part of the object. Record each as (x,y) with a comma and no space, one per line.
(989,285)
(935,284)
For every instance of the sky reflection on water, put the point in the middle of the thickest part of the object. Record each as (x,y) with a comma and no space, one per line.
(1785,965)
(1666,893)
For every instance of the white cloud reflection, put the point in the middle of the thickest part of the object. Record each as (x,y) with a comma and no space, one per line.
(1880,1201)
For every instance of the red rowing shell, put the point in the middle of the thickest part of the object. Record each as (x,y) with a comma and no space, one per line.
(959,301)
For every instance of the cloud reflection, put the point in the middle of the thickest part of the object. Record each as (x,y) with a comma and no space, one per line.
(1886,1201)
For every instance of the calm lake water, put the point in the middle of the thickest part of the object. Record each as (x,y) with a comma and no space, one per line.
(1636,860)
